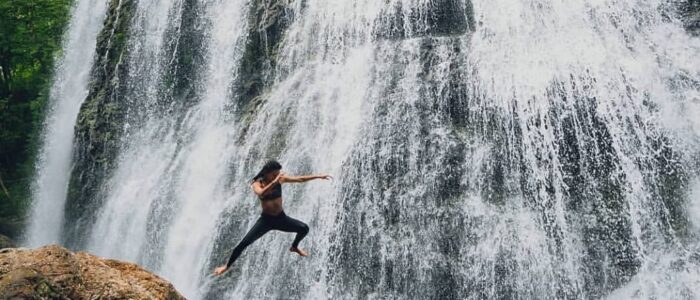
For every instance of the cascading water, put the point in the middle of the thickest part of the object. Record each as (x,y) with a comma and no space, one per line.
(67,93)
(170,166)
(494,149)
(122,218)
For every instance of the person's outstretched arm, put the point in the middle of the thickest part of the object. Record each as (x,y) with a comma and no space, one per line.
(304,178)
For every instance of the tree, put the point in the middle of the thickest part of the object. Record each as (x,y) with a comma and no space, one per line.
(30,38)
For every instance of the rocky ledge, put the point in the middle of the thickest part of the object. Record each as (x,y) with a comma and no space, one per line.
(54,272)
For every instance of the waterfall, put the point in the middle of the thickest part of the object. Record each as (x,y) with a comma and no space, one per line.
(120,228)
(68,91)
(486,149)
(161,202)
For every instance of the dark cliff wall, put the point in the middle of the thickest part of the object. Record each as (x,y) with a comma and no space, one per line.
(113,103)
(267,22)
(98,126)
(691,14)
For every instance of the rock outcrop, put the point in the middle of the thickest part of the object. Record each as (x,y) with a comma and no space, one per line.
(53,272)
(441,18)
(99,125)
(12,226)
(6,242)
(691,16)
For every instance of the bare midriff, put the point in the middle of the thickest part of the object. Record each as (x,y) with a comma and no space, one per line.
(272,206)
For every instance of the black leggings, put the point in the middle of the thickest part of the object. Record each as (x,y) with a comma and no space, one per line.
(266,223)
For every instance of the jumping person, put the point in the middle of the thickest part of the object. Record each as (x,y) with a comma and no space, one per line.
(267,184)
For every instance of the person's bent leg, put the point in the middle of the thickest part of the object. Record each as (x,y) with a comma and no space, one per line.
(301,233)
(255,232)
(289,224)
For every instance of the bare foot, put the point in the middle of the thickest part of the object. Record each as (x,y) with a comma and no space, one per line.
(220,270)
(298,251)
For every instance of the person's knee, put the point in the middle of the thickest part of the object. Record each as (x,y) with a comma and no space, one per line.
(304,229)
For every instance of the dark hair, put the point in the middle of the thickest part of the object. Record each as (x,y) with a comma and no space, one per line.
(270,166)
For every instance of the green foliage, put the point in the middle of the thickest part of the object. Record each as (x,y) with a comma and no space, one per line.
(30,39)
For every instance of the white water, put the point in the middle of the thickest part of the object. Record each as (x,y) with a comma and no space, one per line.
(631,54)
(69,89)
(370,112)
(121,227)
(171,180)
(316,112)
(201,189)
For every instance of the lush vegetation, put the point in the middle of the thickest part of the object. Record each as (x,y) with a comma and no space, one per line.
(30,41)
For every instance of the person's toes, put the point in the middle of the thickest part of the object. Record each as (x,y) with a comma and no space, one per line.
(298,251)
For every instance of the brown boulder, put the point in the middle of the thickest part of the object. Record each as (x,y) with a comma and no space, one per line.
(53,272)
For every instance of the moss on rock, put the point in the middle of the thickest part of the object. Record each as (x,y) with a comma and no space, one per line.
(99,123)
(268,20)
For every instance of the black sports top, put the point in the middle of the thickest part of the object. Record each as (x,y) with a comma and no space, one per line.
(273,193)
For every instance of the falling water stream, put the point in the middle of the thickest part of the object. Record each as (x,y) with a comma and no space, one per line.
(69,89)
(488,149)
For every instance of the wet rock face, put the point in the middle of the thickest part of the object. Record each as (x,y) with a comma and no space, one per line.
(440,18)
(99,122)
(116,102)
(691,14)
(53,272)
(12,227)
(6,242)
(268,20)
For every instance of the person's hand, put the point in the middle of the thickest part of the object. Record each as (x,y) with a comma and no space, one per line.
(278,178)
(220,270)
(326,177)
